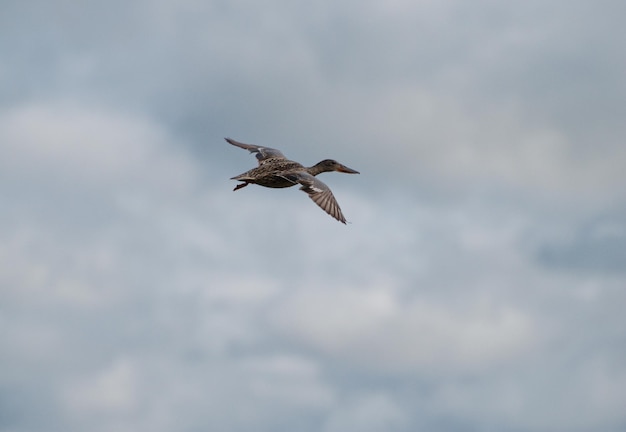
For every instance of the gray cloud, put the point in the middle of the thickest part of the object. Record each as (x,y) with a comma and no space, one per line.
(599,246)
(478,287)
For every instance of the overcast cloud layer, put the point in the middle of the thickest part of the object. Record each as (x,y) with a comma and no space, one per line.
(480,285)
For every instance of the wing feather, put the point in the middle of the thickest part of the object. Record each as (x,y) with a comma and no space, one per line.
(321,195)
(262,153)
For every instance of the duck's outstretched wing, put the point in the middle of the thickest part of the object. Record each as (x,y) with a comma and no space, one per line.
(262,153)
(320,194)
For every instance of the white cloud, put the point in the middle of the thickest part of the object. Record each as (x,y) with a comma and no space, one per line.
(432,136)
(576,399)
(369,412)
(77,146)
(333,320)
(288,380)
(374,329)
(111,390)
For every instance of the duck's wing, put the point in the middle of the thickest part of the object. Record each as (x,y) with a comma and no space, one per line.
(320,194)
(262,153)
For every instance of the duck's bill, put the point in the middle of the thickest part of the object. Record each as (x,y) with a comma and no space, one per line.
(345,169)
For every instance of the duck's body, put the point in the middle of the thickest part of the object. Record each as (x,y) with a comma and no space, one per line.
(271,173)
(276,171)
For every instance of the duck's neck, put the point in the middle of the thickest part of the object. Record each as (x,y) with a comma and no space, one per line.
(316,169)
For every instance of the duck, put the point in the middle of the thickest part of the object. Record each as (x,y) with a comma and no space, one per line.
(274,170)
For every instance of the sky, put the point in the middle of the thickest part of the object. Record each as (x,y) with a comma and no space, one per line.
(479,285)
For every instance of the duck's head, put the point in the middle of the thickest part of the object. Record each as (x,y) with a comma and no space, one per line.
(328,165)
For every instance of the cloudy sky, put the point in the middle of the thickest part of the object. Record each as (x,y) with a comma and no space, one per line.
(480,285)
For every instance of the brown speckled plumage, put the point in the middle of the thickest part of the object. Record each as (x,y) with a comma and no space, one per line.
(276,171)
